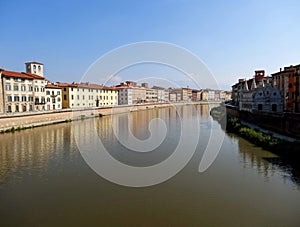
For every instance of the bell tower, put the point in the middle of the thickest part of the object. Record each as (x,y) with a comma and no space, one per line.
(35,68)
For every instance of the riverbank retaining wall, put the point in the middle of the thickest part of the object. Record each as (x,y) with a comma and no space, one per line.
(285,123)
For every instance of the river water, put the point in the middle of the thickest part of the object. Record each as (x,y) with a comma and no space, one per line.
(45,181)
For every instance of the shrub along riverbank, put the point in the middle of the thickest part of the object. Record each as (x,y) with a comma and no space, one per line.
(265,140)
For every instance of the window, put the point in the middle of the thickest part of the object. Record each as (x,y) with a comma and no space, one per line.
(58,92)
(260,107)
(48,99)
(72,97)
(47,92)
(58,99)
(83,97)
(17,108)
(274,107)
(52,92)
(30,98)
(16,87)
(9,98)
(65,89)
(71,89)
(42,89)
(36,89)
(16,98)
(7,87)
(30,88)
(65,97)
(53,100)
(23,98)
(77,97)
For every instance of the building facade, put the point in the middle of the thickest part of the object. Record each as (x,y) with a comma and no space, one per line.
(180,94)
(196,95)
(107,96)
(87,95)
(259,97)
(23,91)
(130,93)
(162,94)
(53,97)
(151,95)
(288,81)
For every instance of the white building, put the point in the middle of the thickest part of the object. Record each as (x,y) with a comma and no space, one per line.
(23,91)
(162,94)
(53,97)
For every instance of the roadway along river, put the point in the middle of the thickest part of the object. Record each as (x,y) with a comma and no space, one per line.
(44,180)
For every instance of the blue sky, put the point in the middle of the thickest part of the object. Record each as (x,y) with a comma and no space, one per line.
(233,38)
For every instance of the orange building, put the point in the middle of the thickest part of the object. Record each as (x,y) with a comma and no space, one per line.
(287,80)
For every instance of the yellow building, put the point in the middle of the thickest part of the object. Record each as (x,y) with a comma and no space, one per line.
(108,96)
(86,95)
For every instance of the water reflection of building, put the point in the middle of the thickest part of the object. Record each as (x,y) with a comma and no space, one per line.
(265,162)
(33,149)
(203,110)
(254,156)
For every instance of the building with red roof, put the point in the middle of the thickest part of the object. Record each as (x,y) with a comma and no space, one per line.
(23,91)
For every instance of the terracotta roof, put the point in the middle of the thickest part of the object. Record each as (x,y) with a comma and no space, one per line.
(35,76)
(119,87)
(21,75)
(90,86)
(16,74)
(34,62)
(109,88)
(114,88)
(53,86)
(67,85)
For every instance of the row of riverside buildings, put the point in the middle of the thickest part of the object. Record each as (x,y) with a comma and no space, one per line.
(279,92)
(31,91)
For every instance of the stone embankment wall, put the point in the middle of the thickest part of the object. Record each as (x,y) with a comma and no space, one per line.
(285,123)
(28,120)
